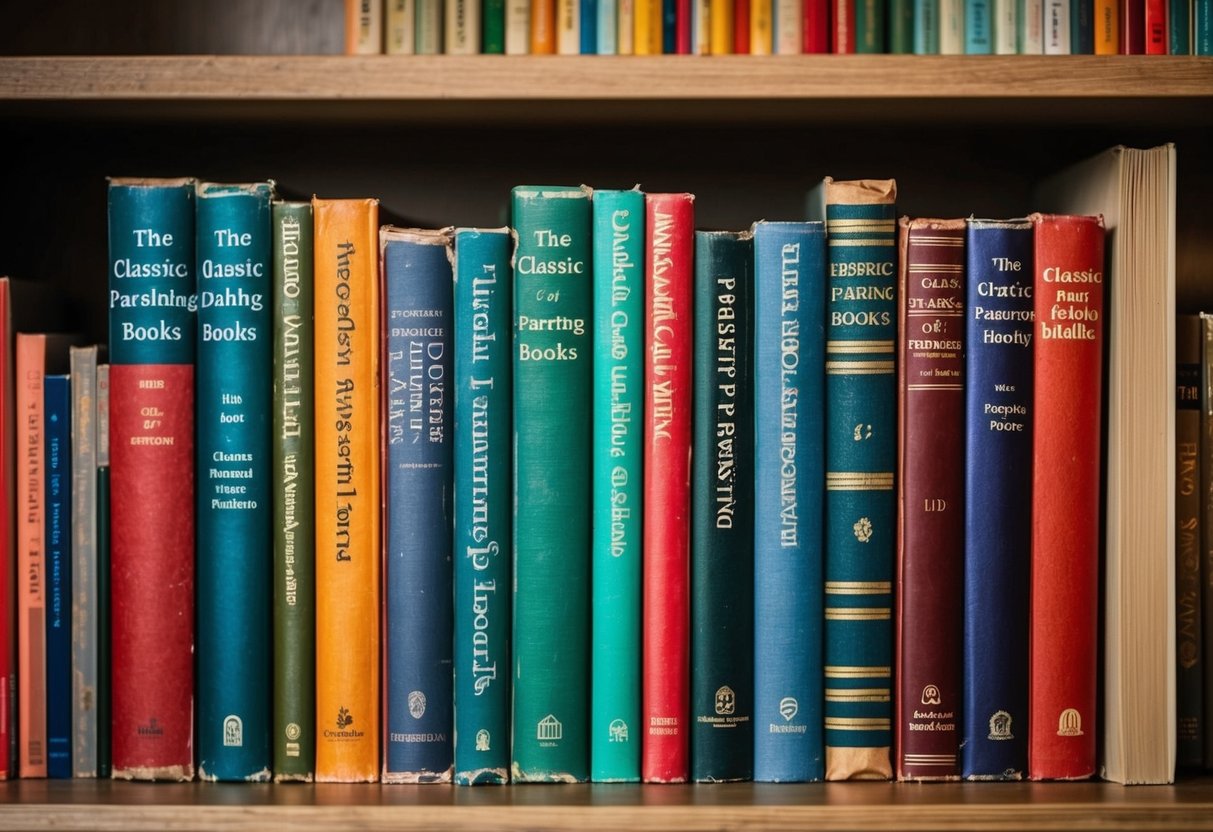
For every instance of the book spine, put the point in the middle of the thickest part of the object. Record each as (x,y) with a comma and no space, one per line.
(722,510)
(646,27)
(152,348)
(741,26)
(1057,27)
(861,453)
(978,28)
(721,25)
(1107,27)
(543,27)
(9,752)
(292,449)
(400,27)
(870,26)
(673,13)
(1179,27)
(492,40)
(417,534)
(84,560)
(462,27)
(517,27)
(788,27)
(1132,27)
(1031,27)
(568,27)
(998,394)
(843,24)
(103,572)
(483,497)
(1156,27)
(57,409)
(608,27)
(901,27)
(1206,531)
(234,359)
(619,335)
(552,386)
(347,483)
(1069,255)
(1189,660)
(428,27)
(685,16)
(789,464)
(1006,27)
(926,27)
(701,27)
(1202,28)
(761,34)
(931,483)
(951,27)
(1082,27)
(363,27)
(625,22)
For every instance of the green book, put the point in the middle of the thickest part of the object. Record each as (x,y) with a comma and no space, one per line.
(901,27)
(870,26)
(493,27)
(552,355)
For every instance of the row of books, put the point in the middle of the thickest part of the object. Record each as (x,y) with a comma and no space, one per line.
(783,27)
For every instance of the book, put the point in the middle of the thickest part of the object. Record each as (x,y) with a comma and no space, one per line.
(400,32)
(428,27)
(673,15)
(901,27)
(417,534)
(293,492)
(843,41)
(789,495)
(1082,27)
(665,674)
(646,28)
(9,752)
(979,28)
(1156,27)
(761,27)
(543,27)
(517,27)
(57,514)
(552,394)
(741,26)
(607,27)
(1206,531)
(104,698)
(926,27)
(84,544)
(347,482)
(701,27)
(1006,27)
(1132,20)
(789,27)
(1057,27)
(722,509)
(568,27)
(998,489)
(1189,662)
(363,27)
(1202,28)
(483,504)
(951,27)
(931,492)
(1069,282)
(1135,191)
(1107,27)
(152,322)
(861,456)
(721,26)
(625,34)
(1031,27)
(492,27)
(462,27)
(1179,27)
(618,490)
(870,26)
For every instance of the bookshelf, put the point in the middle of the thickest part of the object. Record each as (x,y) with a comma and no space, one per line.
(440,140)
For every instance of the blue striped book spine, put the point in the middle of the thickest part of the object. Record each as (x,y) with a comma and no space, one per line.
(235,355)
(483,478)
(418,297)
(926,27)
(998,491)
(979,29)
(618,413)
(58,466)
(789,465)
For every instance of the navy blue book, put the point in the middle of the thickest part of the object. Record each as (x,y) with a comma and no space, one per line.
(998,499)
(789,494)
(58,415)
(419,677)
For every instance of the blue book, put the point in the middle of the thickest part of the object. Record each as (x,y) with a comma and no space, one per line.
(926,27)
(669,26)
(998,499)
(789,466)
(419,625)
(58,466)
(234,555)
(483,477)
(979,29)
(589,27)
(608,26)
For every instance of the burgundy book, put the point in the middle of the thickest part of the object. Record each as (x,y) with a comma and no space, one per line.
(1065,497)
(816,27)
(741,27)
(931,477)
(666,668)
(1132,27)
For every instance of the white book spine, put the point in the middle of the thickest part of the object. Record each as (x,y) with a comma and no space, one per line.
(608,27)
(1057,27)
(462,27)
(951,27)
(1031,27)
(1006,27)
(401,31)
(568,27)
(789,27)
(626,42)
(429,27)
(517,27)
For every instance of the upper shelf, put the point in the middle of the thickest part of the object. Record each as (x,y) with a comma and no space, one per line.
(1047,90)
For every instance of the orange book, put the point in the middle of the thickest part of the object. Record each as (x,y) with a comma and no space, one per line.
(648,22)
(1107,27)
(347,485)
(363,27)
(543,27)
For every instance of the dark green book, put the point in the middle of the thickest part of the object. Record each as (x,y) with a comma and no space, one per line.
(493,27)
(552,355)
(870,26)
(901,27)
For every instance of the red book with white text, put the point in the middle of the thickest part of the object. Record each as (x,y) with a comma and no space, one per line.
(666,670)
(816,27)
(1069,292)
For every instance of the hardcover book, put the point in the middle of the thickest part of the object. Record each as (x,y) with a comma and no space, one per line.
(9,753)
(57,513)
(363,27)
(400,35)
(926,27)
(1189,662)
(104,652)
(1206,521)
(84,546)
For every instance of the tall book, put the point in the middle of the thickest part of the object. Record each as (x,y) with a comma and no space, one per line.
(363,27)
(104,651)
(619,341)
(842,21)
(931,485)
(462,27)
(861,455)
(1134,190)
(347,482)
(722,510)
(1082,27)
(1206,531)
(1057,27)
(789,27)
(979,27)
(400,36)
(926,27)
(998,490)
(951,27)
(1069,280)
(84,545)
(292,483)
(553,304)
(1031,27)
(1156,27)
(1179,27)
(483,504)
(1189,661)
(543,27)
(870,26)
(1132,27)
(789,494)
(568,27)
(1006,27)
(9,753)
(665,673)
(492,27)
(517,27)
(418,622)
(152,349)
(57,513)
(428,26)
(1107,27)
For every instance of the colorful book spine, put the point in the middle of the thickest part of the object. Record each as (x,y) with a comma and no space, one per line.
(517,27)
(483,505)
(951,27)
(400,27)
(1006,27)
(722,510)
(720,21)
(979,28)
(1189,661)
(685,12)
(234,359)
(1202,34)
(1057,27)
(57,512)
(761,27)
(428,27)
(843,26)
(607,28)
(31,554)
(665,674)
(1069,255)
(1107,27)
(789,465)
(1206,519)
(104,698)
(861,454)
(1132,27)
(619,336)
(1082,27)
(701,27)
(9,753)
(625,35)
(347,482)
(998,392)
(901,27)
(1179,27)
(741,26)
(461,28)
(931,485)
(870,26)
(1156,27)
(363,27)
(492,34)
(926,27)
(292,478)
(83,362)
(646,39)
(675,20)
(568,27)
(789,27)
(151,345)
(552,386)
(543,27)
(1031,27)
(418,693)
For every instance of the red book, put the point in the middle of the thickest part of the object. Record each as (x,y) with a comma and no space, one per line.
(682,27)
(1156,27)
(741,27)
(816,26)
(931,519)
(1065,496)
(1132,27)
(843,42)
(666,671)
(8,598)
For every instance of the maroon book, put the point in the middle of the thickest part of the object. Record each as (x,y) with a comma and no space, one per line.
(1132,27)
(931,477)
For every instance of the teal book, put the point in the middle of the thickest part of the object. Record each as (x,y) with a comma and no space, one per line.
(901,27)
(861,457)
(979,27)
(235,352)
(483,504)
(618,484)
(870,27)
(926,27)
(1179,27)
(552,380)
